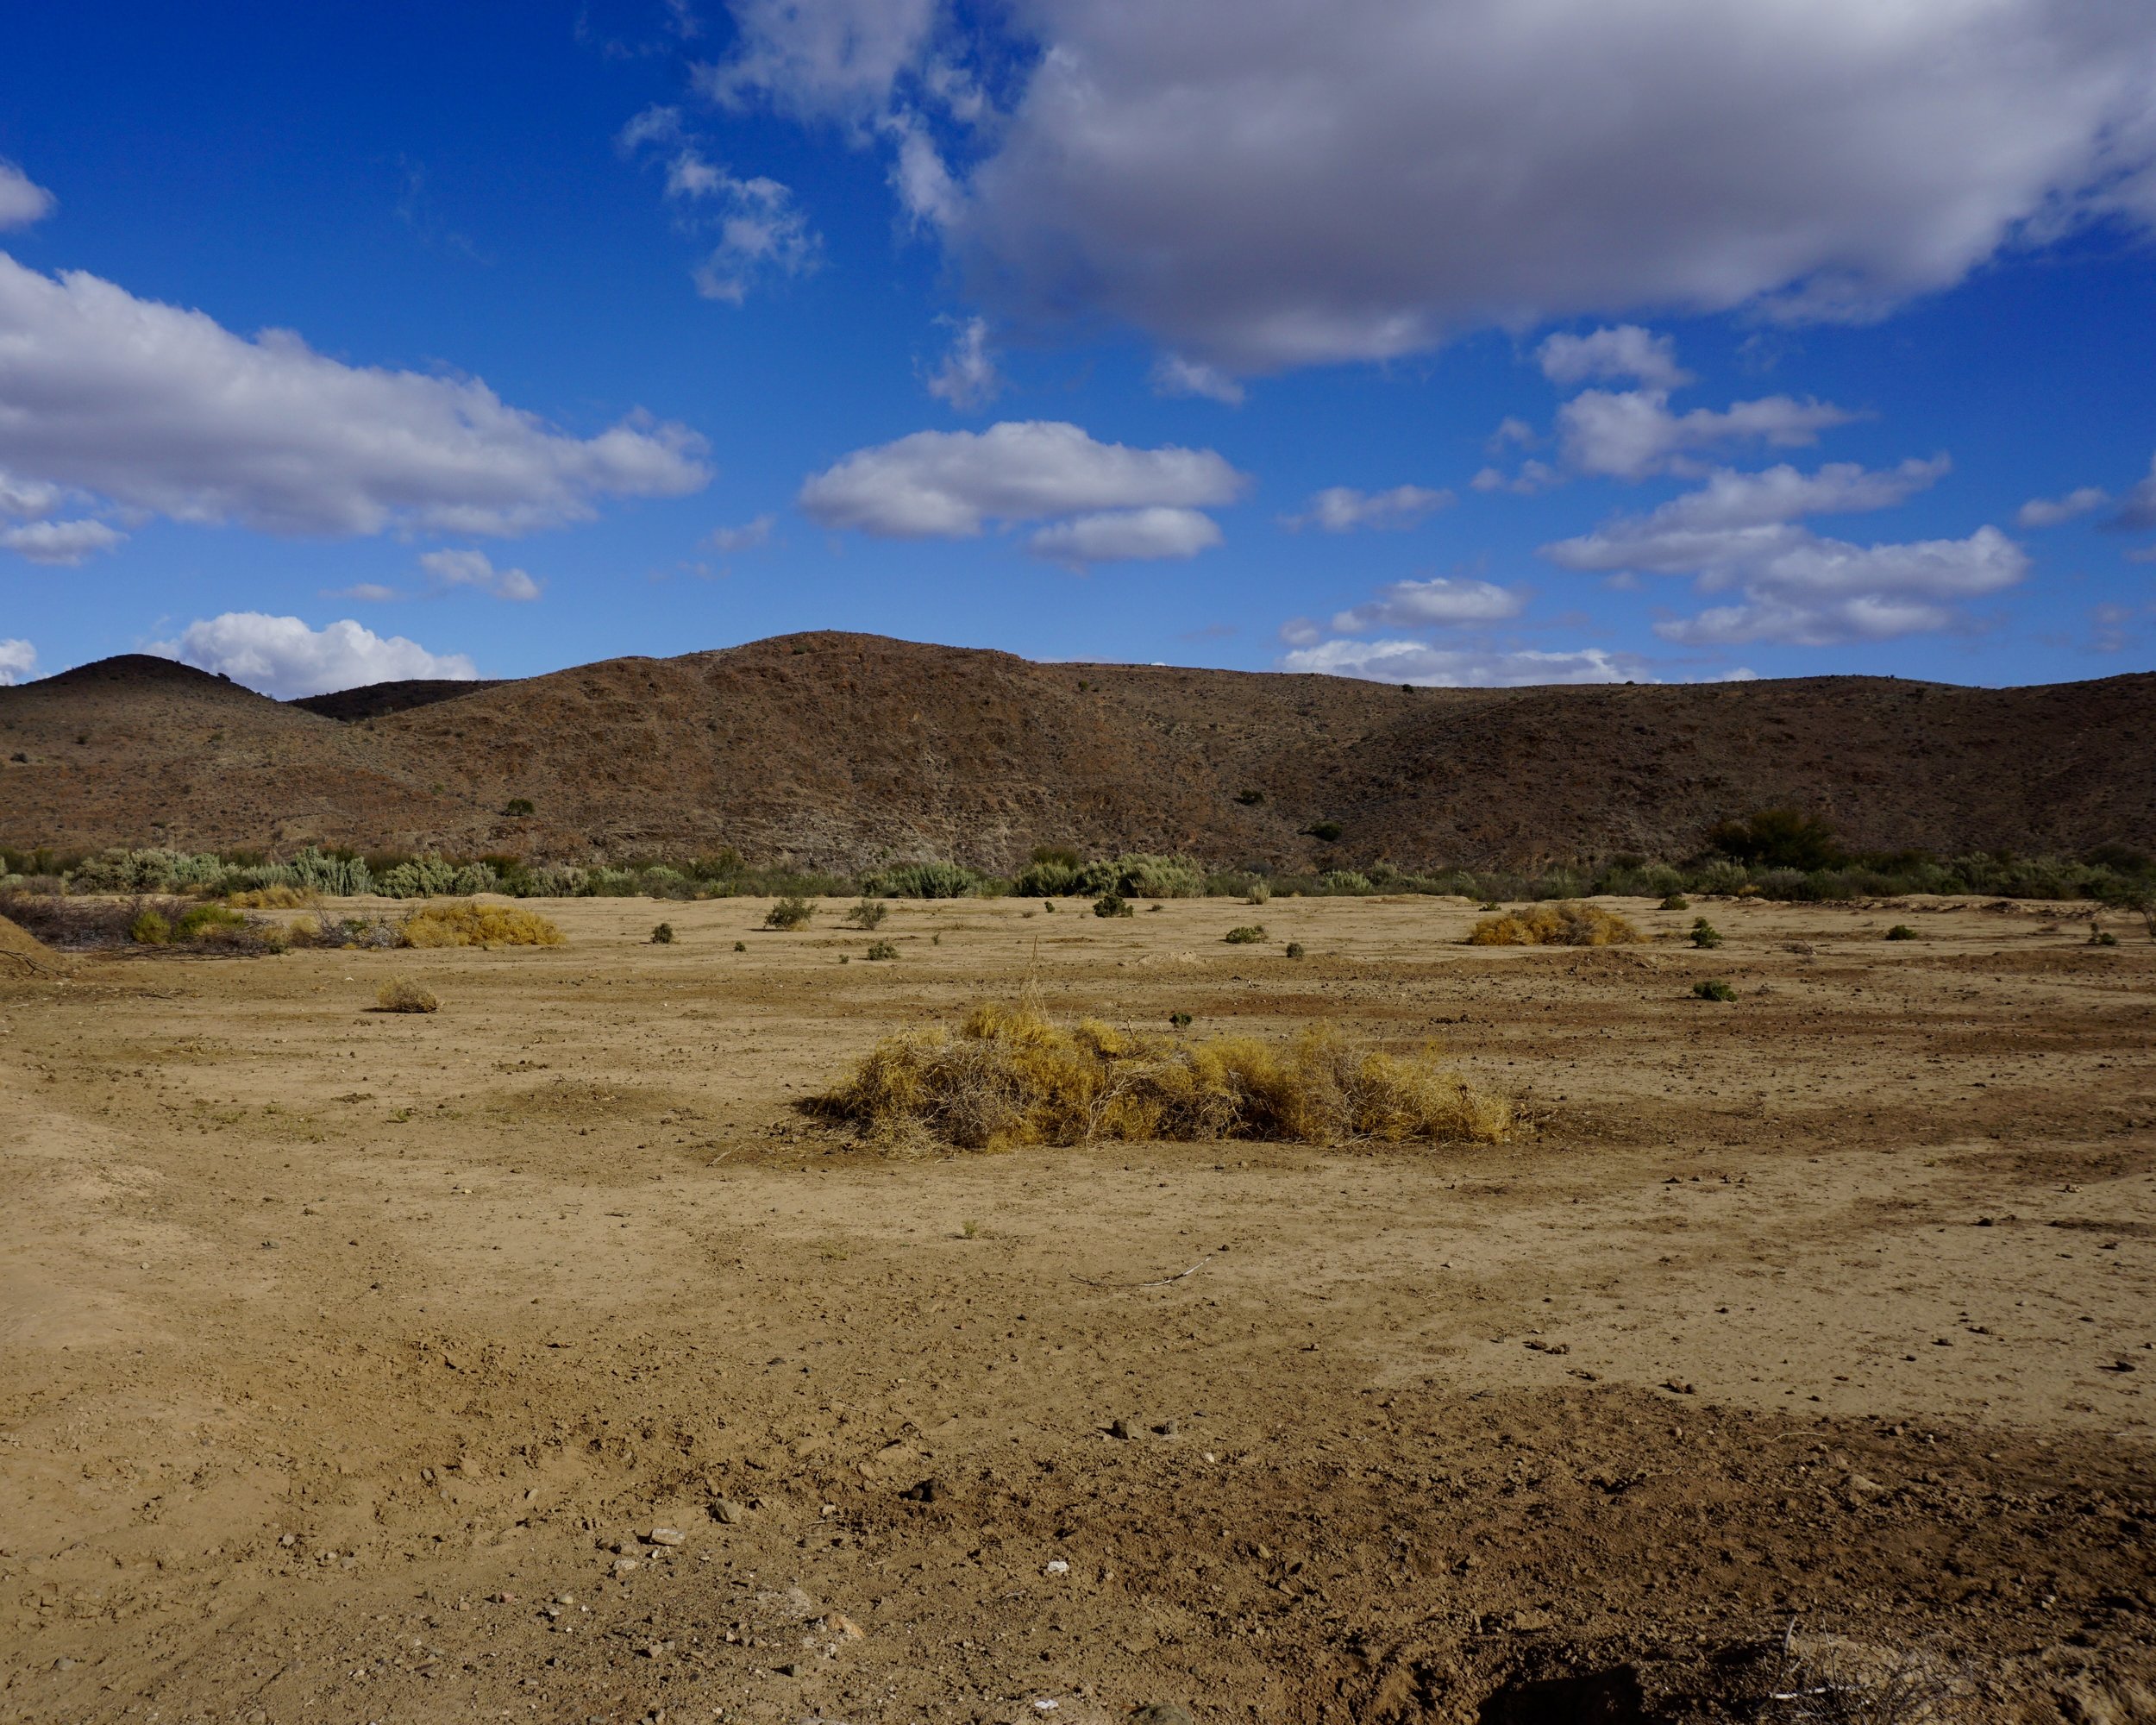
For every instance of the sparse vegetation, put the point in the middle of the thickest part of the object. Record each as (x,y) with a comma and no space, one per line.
(477,925)
(2102,937)
(1674,901)
(1111,904)
(1704,933)
(1901,930)
(868,914)
(517,807)
(789,913)
(1713,990)
(880,949)
(1246,937)
(1250,799)
(1179,1020)
(275,898)
(150,928)
(1292,950)
(662,935)
(1566,923)
(402,995)
(1325,831)
(1009,1076)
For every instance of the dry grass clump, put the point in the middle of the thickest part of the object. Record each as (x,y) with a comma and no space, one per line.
(1564,922)
(1009,1076)
(268,898)
(405,995)
(477,925)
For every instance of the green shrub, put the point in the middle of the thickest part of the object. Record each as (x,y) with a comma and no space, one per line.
(1250,799)
(2102,937)
(882,948)
(740,946)
(1712,991)
(149,928)
(662,935)
(1704,933)
(516,807)
(924,880)
(205,919)
(1181,1021)
(790,912)
(1246,937)
(1325,830)
(1109,905)
(868,914)
(1901,930)
(1294,949)
(1779,838)
(1675,901)
(1143,875)
(1346,883)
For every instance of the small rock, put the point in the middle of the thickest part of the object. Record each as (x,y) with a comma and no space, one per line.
(1677,1386)
(667,1536)
(789,1670)
(844,1627)
(62,1664)
(1126,1428)
(1057,1566)
(623,1565)
(1527,1621)
(927,1491)
(1161,1713)
(1167,1428)
(726,1511)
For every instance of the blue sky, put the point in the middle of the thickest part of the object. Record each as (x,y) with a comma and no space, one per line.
(1438,342)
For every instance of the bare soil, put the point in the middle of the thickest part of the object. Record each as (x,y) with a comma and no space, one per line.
(348,1360)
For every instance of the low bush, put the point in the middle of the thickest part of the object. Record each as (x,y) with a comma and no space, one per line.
(882,948)
(1713,990)
(149,928)
(1674,901)
(2103,936)
(403,995)
(924,880)
(1111,904)
(476,925)
(1246,937)
(1564,922)
(1901,930)
(662,935)
(207,920)
(277,898)
(791,912)
(1704,933)
(868,914)
(1009,1076)
(1292,950)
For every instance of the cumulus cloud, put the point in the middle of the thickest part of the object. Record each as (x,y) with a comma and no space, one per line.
(968,378)
(2051,512)
(1743,531)
(1626,351)
(947,484)
(18,663)
(748,536)
(1437,603)
(1119,536)
(2137,508)
(476,569)
(1533,477)
(762,232)
(1631,434)
(1227,174)
(163,410)
(1175,375)
(66,544)
(1418,663)
(21,200)
(1341,509)
(281,656)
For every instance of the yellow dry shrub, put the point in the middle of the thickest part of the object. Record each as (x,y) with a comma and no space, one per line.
(267,899)
(1009,1076)
(405,995)
(1565,922)
(470,924)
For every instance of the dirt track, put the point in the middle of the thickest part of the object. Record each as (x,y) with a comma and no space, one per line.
(337,1349)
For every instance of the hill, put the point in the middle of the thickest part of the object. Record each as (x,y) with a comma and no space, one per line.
(841,751)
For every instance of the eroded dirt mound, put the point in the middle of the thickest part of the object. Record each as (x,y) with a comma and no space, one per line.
(21,950)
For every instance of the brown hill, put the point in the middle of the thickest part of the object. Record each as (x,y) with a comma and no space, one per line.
(841,751)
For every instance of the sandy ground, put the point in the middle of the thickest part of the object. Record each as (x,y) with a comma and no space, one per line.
(348,1360)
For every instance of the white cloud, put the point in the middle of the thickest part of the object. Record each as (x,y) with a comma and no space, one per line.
(1742,532)
(63,543)
(2051,512)
(281,656)
(1268,183)
(1509,431)
(762,232)
(1418,663)
(1127,535)
(21,200)
(947,484)
(746,537)
(2137,508)
(1437,602)
(1533,477)
(1626,351)
(159,409)
(27,497)
(968,378)
(1175,375)
(366,593)
(476,569)
(1341,509)
(18,663)
(1631,434)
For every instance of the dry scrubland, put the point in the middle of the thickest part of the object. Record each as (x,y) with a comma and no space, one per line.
(350,1359)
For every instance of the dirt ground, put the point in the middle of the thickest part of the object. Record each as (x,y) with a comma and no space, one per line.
(349,1361)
